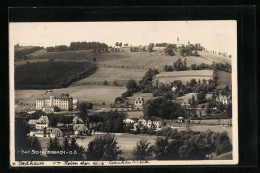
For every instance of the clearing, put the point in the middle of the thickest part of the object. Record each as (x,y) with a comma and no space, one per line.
(91,93)
(215,57)
(224,79)
(121,76)
(184,76)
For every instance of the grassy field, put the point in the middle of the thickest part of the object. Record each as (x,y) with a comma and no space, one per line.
(215,57)
(224,79)
(155,59)
(184,76)
(92,93)
(121,76)
(127,142)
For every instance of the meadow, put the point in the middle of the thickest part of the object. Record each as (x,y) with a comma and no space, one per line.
(224,79)
(215,57)
(91,93)
(121,76)
(184,76)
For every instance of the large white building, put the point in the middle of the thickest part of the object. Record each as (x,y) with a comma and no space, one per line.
(63,101)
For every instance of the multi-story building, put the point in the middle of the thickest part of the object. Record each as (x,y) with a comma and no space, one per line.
(63,101)
(139,101)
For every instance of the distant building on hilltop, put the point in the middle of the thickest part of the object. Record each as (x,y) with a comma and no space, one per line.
(179,42)
(47,103)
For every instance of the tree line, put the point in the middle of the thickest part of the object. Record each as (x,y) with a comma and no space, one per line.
(77,46)
(181,65)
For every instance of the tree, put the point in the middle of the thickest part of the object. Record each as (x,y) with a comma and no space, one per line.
(142,150)
(117,44)
(66,144)
(201,96)
(150,47)
(83,107)
(120,44)
(131,85)
(103,148)
(105,82)
(53,121)
(165,149)
(169,50)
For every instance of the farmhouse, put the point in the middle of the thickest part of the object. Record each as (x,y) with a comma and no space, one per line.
(139,101)
(47,103)
(222,99)
(42,122)
(128,121)
(80,129)
(154,124)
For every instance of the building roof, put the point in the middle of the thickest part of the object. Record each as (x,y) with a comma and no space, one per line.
(43,119)
(139,99)
(47,95)
(80,127)
(32,121)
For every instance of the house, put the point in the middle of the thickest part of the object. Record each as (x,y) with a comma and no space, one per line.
(139,101)
(63,101)
(185,104)
(180,119)
(222,99)
(173,88)
(54,132)
(154,124)
(42,122)
(75,104)
(80,129)
(128,121)
(77,120)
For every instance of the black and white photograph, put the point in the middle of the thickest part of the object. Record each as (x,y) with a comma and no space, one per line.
(128,93)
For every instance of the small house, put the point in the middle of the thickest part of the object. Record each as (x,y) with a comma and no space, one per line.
(42,122)
(80,129)
(128,121)
(139,101)
(180,119)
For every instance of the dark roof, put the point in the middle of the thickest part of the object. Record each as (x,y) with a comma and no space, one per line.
(56,96)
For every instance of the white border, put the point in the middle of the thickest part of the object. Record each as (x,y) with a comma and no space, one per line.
(14,163)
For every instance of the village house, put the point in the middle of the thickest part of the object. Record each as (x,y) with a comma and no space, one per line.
(42,122)
(80,129)
(153,124)
(180,119)
(53,132)
(128,121)
(47,102)
(139,101)
(222,99)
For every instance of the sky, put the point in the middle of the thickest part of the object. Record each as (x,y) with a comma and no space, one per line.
(213,35)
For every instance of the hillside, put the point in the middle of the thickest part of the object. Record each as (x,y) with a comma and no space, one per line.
(48,75)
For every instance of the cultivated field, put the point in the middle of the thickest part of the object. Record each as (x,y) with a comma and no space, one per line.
(224,79)
(215,57)
(184,76)
(121,76)
(156,59)
(91,93)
